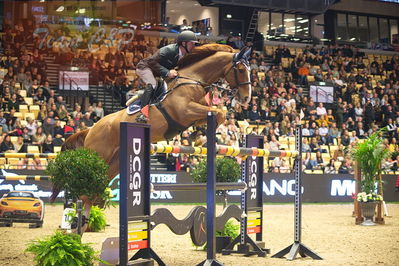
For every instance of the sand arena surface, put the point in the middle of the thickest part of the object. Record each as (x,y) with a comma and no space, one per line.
(328,230)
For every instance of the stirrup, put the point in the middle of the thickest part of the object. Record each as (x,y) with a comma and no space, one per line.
(142,119)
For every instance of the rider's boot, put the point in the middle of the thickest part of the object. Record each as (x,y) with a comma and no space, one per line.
(145,100)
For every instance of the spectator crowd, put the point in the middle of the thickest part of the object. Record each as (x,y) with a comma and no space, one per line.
(366,95)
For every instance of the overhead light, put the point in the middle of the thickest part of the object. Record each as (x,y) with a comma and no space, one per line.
(338,38)
(102,0)
(303,20)
(298,18)
(229,16)
(60,9)
(80,11)
(289,19)
(42,1)
(352,39)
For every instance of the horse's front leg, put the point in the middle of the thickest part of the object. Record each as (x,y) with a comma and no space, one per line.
(198,113)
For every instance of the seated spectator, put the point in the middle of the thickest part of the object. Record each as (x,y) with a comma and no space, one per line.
(13,103)
(69,127)
(305,145)
(48,146)
(303,73)
(43,112)
(345,138)
(58,141)
(6,145)
(330,167)
(319,161)
(87,120)
(253,114)
(3,123)
(274,144)
(20,145)
(39,137)
(309,163)
(346,167)
(321,110)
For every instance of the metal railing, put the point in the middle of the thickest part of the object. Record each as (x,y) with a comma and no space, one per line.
(72,95)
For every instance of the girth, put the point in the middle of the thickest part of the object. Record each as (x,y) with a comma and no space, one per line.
(174,127)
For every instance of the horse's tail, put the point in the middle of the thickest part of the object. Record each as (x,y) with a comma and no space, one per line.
(73,142)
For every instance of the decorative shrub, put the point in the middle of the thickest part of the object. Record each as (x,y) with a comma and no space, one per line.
(80,172)
(62,249)
(227,170)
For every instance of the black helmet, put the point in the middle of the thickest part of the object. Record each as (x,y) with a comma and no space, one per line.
(187,36)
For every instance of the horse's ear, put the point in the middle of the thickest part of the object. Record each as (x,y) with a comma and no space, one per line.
(237,57)
(247,53)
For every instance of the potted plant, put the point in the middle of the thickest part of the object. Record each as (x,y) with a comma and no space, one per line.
(227,170)
(62,249)
(369,155)
(223,238)
(83,173)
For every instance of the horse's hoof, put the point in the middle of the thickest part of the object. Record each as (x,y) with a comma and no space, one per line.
(142,119)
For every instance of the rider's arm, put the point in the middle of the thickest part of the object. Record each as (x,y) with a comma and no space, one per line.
(154,63)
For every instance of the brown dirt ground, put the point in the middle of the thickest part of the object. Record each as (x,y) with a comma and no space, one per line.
(328,230)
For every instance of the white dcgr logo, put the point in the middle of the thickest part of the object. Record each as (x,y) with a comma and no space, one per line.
(342,187)
(135,181)
(253,177)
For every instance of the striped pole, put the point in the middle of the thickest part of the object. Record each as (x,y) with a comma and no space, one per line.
(25,177)
(28,155)
(222,150)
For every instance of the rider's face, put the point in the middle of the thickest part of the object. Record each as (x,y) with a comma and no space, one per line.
(190,46)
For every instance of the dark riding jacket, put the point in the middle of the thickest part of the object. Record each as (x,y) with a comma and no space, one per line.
(162,61)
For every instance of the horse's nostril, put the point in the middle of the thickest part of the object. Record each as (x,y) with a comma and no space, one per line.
(246,98)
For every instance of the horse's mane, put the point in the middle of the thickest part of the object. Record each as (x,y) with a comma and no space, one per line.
(203,51)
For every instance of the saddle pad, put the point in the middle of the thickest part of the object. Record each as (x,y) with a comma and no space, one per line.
(136,105)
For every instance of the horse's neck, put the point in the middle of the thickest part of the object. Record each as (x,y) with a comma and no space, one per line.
(208,70)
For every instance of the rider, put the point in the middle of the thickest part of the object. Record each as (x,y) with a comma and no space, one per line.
(162,64)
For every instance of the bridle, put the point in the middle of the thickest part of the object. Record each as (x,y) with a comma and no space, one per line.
(235,68)
(208,86)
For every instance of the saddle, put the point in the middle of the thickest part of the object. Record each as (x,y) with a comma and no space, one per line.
(158,95)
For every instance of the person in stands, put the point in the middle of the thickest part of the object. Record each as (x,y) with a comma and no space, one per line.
(162,64)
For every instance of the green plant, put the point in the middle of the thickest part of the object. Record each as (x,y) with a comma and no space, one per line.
(369,155)
(80,172)
(97,221)
(231,229)
(62,249)
(227,170)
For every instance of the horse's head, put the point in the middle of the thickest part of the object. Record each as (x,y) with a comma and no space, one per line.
(238,76)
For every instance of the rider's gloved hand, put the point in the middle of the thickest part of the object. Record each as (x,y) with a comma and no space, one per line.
(172,74)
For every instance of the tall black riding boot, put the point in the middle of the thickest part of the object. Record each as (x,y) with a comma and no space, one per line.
(145,100)
(146,97)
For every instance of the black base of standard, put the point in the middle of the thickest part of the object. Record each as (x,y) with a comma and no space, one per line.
(294,249)
(250,248)
(147,253)
(210,263)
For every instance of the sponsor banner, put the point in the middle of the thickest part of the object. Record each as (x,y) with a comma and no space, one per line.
(276,187)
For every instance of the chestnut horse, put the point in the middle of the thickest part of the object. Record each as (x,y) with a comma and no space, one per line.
(185,104)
